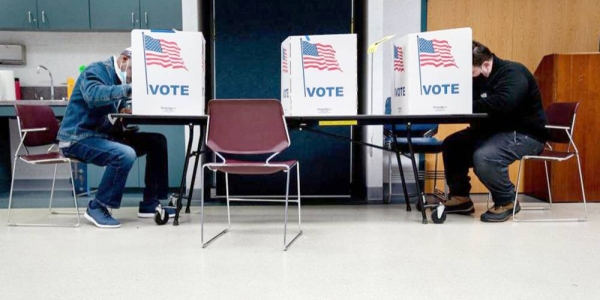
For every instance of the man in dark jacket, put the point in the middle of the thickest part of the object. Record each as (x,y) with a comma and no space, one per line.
(509,94)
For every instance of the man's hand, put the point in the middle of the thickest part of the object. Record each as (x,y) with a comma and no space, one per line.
(125,110)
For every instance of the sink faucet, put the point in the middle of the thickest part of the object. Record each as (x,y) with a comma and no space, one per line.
(51,80)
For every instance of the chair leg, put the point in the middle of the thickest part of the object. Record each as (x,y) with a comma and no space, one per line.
(204,245)
(516,201)
(57,212)
(517,191)
(74,195)
(550,200)
(582,188)
(287,194)
(12,187)
(390,190)
(548,183)
(298,187)
(549,193)
(52,190)
(227,197)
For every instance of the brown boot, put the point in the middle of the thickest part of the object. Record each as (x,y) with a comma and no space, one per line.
(500,213)
(459,205)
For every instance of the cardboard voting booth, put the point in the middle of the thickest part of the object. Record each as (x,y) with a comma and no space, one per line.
(432,73)
(168,69)
(318,75)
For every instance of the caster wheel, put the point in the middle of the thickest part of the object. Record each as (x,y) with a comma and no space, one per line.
(436,219)
(161,217)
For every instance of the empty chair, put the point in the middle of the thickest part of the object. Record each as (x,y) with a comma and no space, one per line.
(249,127)
(38,126)
(423,142)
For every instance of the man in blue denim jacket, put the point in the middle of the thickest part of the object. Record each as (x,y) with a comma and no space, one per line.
(87,134)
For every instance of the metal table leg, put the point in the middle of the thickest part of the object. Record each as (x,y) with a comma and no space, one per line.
(197,154)
(416,172)
(399,159)
(185,166)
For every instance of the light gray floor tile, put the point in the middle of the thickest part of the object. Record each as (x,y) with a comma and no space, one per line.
(346,252)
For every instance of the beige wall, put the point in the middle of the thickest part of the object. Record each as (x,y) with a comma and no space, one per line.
(520,30)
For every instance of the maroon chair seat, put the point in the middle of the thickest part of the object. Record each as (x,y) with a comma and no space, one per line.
(252,167)
(44,158)
(247,127)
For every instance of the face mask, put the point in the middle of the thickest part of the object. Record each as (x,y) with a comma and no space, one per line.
(123,74)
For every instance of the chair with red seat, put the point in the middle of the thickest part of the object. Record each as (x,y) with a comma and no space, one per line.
(249,127)
(38,126)
(561,122)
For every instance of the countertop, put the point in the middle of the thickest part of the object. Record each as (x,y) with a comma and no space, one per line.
(34,102)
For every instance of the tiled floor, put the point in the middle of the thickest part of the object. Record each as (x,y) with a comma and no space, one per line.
(346,252)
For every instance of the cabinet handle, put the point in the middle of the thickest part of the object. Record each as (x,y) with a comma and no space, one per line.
(146,18)
(43,16)
(29,15)
(132,21)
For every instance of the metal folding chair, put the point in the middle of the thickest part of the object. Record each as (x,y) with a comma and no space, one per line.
(561,122)
(249,127)
(38,126)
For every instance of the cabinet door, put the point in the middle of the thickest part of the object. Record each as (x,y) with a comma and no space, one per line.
(18,14)
(63,15)
(160,14)
(115,14)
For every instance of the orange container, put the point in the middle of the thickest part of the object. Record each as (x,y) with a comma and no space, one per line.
(70,86)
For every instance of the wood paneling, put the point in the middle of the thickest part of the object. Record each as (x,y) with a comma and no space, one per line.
(568,78)
(520,30)
(492,21)
(554,26)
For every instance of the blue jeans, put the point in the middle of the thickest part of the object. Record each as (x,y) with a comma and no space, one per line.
(489,157)
(118,155)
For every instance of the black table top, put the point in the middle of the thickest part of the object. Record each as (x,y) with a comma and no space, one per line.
(384,119)
(162,120)
(314,120)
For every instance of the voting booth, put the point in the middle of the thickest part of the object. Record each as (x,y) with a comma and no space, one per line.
(318,75)
(432,73)
(168,69)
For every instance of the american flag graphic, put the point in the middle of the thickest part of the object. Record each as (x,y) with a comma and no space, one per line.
(436,53)
(398,59)
(284,61)
(319,56)
(163,53)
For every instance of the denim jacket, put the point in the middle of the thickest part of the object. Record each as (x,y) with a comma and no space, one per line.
(97,93)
